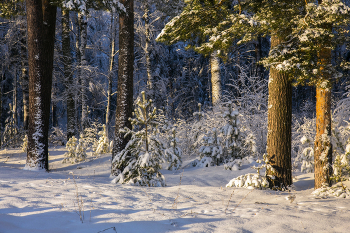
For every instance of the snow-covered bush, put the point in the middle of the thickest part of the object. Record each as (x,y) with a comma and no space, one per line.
(173,153)
(90,135)
(305,160)
(71,145)
(57,137)
(76,151)
(237,163)
(81,151)
(251,180)
(212,147)
(139,162)
(338,190)
(103,143)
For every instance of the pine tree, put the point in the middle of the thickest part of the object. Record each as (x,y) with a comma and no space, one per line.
(139,162)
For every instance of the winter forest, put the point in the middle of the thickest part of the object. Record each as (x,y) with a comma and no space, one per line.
(174,115)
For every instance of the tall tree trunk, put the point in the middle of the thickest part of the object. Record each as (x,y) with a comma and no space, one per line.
(24,81)
(125,76)
(14,102)
(279,125)
(67,60)
(323,145)
(150,81)
(215,78)
(82,48)
(2,78)
(41,20)
(110,73)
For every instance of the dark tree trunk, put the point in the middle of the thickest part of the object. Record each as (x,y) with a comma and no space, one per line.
(125,75)
(83,76)
(67,60)
(279,125)
(41,20)
(24,82)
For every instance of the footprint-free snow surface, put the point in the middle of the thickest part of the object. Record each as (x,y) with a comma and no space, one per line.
(81,198)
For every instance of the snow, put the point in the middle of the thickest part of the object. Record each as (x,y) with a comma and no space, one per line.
(194,200)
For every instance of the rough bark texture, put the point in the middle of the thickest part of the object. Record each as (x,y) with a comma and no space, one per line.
(67,60)
(323,145)
(125,75)
(41,19)
(279,125)
(215,78)
(24,82)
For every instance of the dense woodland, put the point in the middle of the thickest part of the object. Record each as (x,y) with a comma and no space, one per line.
(221,80)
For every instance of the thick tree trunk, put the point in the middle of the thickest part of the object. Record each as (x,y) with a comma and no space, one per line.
(279,125)
(41,19)
(110,73)
(67,60)
(14,102)
(125,75)
(215,78)
(83,77)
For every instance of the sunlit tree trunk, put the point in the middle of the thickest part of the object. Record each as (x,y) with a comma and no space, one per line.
(41,19)
(279,125)
(125,75)
(150,81)
(215,78)
(323,145)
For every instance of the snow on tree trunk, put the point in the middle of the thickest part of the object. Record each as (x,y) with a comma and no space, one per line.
(125,76)
(323,145)
(82,48)
(215,78)
(150,81)
(279,125)
(110,74)
(14,100)
(41,19)
(71,123)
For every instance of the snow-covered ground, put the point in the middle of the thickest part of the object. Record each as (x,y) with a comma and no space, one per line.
(81,198)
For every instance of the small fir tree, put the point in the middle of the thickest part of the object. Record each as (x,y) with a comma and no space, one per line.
(173,153)
(81,151)
(139,162)
(103,144)
(70,156)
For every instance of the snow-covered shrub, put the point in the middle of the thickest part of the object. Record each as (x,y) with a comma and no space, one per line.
(90,135)
(303,135)
(173,153)
(71,145)
(76,151)
(103,143)
(25,143)
(81,151)
(139,162)
(57,137)
(338,190)
(251,180)
(237,163)
(341,165)
(212,147)
(305,160)
(12,135)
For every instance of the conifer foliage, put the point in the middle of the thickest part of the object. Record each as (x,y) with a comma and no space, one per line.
(139,162)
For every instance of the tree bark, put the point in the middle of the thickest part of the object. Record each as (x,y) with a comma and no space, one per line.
(67,60)
(24,81)
(323,145)
(125,75)
(41,20)
(110,73)
(82,48)
(279,125)
(215,78)
(150,81)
